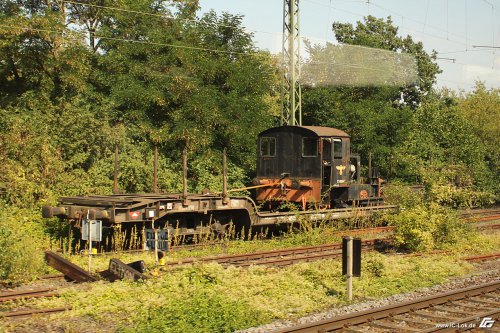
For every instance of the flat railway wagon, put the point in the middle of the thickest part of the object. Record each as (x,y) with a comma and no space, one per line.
(309,167)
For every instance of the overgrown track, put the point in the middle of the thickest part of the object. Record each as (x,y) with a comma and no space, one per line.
(26,294)
(480,212)
(480,217)
(486,257)
(282,257)
(458,309)
(31,312)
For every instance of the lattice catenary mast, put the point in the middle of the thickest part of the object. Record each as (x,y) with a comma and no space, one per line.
(291,113)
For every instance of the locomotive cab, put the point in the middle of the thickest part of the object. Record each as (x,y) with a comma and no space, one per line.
(308,164)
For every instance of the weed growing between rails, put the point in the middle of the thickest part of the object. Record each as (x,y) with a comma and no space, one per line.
(327,230)
(426,228)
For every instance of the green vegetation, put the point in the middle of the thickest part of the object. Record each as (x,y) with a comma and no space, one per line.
(210,298)
(423,224)
(428,227)
(22,242)
(76,81)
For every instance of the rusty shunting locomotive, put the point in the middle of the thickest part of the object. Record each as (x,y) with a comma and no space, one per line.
(309,167)
(312,164)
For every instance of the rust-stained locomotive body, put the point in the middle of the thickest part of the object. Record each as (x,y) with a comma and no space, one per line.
(311,164)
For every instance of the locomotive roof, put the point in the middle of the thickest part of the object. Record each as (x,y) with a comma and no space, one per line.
(321,131)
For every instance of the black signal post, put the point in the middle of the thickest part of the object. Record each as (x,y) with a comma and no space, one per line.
(351,261)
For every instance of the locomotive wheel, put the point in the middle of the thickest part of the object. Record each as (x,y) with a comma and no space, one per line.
(219,228)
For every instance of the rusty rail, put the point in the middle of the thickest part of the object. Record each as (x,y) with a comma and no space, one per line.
(67,268)
(410,317)
(27,313)
(281,257)
(25,294)
(485,257)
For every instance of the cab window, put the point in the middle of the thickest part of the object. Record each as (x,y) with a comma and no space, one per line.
(268,147)
(337,148)
(309,147)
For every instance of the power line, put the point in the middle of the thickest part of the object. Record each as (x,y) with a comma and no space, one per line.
(131,11)
(486,46)
(274,33)
(419,22)
(197,48)
(401,26)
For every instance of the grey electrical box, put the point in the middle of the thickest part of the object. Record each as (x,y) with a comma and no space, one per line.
(95,230)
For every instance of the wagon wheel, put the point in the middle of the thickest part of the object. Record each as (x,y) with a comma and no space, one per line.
(220,229)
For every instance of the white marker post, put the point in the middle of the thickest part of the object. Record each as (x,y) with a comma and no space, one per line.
(349,268)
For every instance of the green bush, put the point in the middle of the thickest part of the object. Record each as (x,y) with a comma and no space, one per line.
(22,242)
(203,310)
(427,227)
(402,195)
(459,197)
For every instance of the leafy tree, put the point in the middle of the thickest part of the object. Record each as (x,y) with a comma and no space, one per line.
(142,80)
(443,152)
(481,111)
(377,33)
(377,117)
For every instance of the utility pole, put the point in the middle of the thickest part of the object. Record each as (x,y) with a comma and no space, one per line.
(291,113)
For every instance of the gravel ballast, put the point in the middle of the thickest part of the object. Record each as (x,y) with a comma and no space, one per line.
(487,272)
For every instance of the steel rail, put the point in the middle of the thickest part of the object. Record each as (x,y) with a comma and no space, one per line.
(357,318)
(25,313)
(476,212)
(307,252)
(25,294)
(489,218)
(484,257)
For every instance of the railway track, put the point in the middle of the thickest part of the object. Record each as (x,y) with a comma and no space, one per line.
(480,217)
(463,309)
(17,295)
(27,294)
(283,257)
(31,312)
(480,212)
(290,256)
(485,257)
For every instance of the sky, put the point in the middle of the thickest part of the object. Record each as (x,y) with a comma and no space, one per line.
(451,27)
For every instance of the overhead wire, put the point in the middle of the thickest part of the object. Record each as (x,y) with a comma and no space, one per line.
(401,26)
(276,33)
(403,17)
(245,29)
(198,48)
(410,19)
(157,15)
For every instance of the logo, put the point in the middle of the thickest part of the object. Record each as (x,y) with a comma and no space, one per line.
(487,322)
(340,168)
(363,194)
(134,215)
